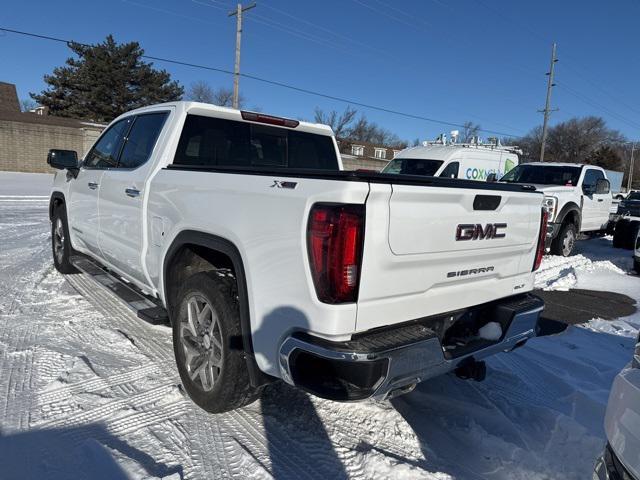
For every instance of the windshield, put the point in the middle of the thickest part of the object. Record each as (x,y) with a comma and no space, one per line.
(634,196)
(543,174)
(413,166)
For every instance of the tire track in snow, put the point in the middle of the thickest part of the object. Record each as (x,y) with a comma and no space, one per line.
(102,412)
(155,342)
(94,385)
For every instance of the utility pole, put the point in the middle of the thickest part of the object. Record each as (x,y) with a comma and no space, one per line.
(547,107)
(630,177)
(236,71)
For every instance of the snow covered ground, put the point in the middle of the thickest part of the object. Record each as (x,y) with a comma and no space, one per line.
(87,390)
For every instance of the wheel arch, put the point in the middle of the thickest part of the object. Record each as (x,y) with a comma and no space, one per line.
(570,212)
(192,252)
(57,199)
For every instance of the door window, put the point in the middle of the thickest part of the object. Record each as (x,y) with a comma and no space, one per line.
(451,170)
(141,139)
(104,153)
(591,177)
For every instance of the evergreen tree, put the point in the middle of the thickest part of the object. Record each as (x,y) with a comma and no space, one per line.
(104,81)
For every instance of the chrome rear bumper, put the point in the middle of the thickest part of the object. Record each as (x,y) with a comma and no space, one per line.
(381,363)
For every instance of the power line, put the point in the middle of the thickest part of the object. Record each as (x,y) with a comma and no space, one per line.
(279,26)
(274,83)
(597,105)
(218,4)
(538,35)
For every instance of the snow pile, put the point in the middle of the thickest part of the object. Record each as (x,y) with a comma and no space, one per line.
(560,273)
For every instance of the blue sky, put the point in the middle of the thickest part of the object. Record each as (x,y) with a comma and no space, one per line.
(479,60)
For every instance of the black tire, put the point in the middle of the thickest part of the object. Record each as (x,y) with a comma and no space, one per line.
(218,348)
(620,233)
(626,234)
(565,241)
(633,234)
(636,266)
(60,243)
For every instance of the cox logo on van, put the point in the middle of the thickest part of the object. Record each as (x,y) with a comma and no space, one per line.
(473,173)
(481,173)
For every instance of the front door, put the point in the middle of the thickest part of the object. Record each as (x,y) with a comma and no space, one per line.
(82,206)
(595,206)
(84,190)
(122,197)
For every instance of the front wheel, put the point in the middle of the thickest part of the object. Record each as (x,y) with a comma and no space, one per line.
(60,244)
(207,344)
(565,241)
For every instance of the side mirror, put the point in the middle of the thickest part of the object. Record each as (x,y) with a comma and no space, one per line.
(492,177)
(603,186)
(63,159)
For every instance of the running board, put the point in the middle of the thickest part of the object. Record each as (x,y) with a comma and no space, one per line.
(144,307)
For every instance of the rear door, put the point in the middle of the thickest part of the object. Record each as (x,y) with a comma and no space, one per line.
(84,190)
(444,248)
(122,196)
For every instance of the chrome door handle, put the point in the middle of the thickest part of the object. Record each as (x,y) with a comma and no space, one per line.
(132,192)
(601,199)
(92,185)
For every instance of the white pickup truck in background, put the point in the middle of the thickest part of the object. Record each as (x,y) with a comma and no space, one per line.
(577,196)
(269,262)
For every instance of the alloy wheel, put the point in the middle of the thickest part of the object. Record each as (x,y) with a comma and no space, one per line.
(568,242)
(201,341)
(58,240)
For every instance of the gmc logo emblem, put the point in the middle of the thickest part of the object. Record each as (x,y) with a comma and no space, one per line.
(468,231)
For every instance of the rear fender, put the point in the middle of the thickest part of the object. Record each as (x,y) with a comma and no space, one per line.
(224,246)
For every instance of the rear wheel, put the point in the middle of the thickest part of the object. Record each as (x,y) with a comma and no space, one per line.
(60,245)
(565,241)
(636,266)
(207,344)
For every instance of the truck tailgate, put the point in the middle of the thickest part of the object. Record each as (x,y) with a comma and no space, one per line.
(431,249)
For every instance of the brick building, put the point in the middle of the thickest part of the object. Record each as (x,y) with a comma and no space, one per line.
(26,137)
(366,155)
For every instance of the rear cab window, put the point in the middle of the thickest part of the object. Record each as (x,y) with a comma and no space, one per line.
(211,142)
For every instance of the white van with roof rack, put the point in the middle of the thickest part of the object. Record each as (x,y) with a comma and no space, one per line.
(469,161)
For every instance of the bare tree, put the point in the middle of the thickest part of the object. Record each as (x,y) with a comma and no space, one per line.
(26,104)
(202,92)
(469,130)
(578,140)
(339,123)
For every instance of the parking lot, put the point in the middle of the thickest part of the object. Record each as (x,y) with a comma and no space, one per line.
(94,391)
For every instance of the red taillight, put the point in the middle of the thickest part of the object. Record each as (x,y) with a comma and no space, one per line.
(541,239)
(334,242)
(269,119)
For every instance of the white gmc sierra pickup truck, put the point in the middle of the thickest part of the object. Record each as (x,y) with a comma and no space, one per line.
(269,262)
(577,197)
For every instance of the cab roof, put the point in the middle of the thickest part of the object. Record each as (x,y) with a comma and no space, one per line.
(210,110)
